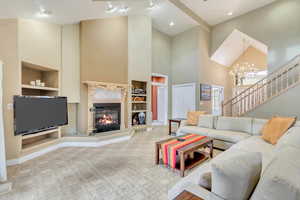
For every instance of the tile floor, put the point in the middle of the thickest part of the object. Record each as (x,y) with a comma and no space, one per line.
(122,171)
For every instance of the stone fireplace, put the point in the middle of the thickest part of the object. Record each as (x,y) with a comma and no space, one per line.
(106,106)
(107,117)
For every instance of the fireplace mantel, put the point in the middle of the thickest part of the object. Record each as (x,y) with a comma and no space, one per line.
(109,86)
(101,92)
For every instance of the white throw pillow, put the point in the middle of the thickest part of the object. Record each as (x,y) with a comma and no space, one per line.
(206,121)
(235,174)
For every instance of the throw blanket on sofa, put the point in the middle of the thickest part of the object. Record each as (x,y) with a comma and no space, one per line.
(169,149)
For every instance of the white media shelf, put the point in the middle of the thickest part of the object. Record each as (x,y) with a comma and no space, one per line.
(39,88)
(32,72)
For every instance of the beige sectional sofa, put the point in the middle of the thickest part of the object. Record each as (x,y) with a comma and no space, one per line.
(278,179)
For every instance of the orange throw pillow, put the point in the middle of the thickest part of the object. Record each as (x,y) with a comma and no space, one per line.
(276,127)
(193,117)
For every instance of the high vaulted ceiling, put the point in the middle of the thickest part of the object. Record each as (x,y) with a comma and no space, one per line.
(72,11)
(216,11)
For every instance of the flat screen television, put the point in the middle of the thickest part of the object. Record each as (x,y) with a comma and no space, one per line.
(34,114)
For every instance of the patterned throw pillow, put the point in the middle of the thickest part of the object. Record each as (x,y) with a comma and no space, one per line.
(193,117)
(276,127)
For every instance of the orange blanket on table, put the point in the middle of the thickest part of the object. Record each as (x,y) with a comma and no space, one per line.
(169,149)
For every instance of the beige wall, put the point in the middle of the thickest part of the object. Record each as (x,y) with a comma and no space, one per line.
(11,82)
(161,60)
(211,72)
(276,25)
(161,52)
(104,50)
(253,56)
(140,54)
(104,56)
(40,43)
(191,63)
(185,57)
(139,47)
(70,70)
(71,128)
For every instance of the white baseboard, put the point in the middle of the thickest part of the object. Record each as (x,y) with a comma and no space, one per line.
(62,145)
(5,187)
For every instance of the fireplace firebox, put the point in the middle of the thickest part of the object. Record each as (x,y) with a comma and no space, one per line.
(107,117)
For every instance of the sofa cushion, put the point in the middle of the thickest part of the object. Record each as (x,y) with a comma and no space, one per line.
(281,179)
(257,144)
(240,124)
(228,136)
(290,138)
(258,125)
(206,121)
(235,174)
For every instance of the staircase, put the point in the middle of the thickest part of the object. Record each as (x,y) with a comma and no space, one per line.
(275,84)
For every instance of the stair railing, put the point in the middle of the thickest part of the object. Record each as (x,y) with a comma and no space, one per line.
(274,84)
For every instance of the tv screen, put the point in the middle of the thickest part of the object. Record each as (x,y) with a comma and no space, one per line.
(34,114)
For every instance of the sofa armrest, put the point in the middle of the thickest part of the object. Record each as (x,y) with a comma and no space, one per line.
(201,192)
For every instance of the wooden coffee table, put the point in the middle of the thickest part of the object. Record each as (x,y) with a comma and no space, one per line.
(185,195)
(189,156)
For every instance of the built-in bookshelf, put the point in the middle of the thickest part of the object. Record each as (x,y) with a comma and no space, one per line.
(139,103)
(50,78)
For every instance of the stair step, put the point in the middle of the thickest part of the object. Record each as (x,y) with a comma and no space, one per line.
(5,187)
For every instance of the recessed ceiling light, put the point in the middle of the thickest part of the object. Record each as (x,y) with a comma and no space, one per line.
(44,13)
(124,9)
(171,24)
(230,13)
(152,5)
(110,8)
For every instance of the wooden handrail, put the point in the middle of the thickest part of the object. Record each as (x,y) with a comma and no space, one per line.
(257,94)
(267,77)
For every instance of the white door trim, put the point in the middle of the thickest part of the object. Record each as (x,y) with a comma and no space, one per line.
(3,171)
(166,85)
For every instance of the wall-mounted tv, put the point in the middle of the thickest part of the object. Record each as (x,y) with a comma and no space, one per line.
(34,114)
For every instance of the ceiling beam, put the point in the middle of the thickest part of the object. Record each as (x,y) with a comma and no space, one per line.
(191,14)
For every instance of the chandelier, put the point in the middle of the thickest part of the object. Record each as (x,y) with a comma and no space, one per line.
(243,69)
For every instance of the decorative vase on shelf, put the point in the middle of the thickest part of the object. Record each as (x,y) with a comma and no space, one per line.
(142,117)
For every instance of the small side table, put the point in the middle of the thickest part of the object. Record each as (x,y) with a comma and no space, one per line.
(185,195)
(176,120)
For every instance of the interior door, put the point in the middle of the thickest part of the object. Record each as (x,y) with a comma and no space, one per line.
(161,104)
(183,99)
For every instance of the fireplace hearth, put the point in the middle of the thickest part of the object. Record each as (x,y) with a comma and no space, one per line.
(107,117)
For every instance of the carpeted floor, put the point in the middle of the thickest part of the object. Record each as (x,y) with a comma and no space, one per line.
(122,171)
